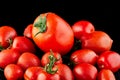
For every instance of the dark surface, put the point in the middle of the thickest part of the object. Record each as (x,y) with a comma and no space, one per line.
(19,14)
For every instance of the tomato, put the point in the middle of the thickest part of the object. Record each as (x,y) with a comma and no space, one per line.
(13,72)
(84,55)
(85,71)
(82,27)
(98,41)
(28,31)
(7,34)
(50,31)
(23,44)
(31,73)
(45,58)
(109,60)
(8,56)
(106,74)
(28,59)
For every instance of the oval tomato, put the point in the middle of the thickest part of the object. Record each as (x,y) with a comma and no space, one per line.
(50,31)
(98,41)
(82,27)
(7,33)
(13,72)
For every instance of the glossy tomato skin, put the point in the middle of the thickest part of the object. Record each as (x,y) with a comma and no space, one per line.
(8,56)
(23,44)
(31,73)
(85,71)
(109,60)
(106,74)
(45,58)
(13,72)
(28,59)
(98,41)
(7,33)
(28,31)
(82,27)
(64,71)
(84,56)
(57,35)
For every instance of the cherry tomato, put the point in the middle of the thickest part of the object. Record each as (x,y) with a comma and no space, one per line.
(50,31)
(84,55)
(31,73)
(13,72)
(23,44)
(82,27)
(8,56)
(28,59)
(85,71)
(45,58)
(28,31)
(98,41)
(7,34)
(109,60)
(106,74)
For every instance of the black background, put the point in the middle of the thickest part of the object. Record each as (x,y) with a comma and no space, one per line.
(19,14)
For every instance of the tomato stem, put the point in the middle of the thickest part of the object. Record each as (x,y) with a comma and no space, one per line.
(1,48)
(40,24)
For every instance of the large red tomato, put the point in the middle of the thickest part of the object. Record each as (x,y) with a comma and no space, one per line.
(50,31)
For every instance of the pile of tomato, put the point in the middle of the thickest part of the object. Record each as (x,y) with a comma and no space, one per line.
(51,49)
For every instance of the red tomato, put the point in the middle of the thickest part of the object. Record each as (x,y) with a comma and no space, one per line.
(82,27)
(23,44)
(45,58)
(31,73)
(85,71)
(84,55)
(106,74)
(109,60)
(8,56)
(28,31)
(7,33)
(28,59)
(13,72)
(97,41)
(50,31)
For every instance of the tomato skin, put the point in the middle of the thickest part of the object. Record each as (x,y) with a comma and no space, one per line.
(28,59)
(6,33)
(45,58)
(64,71)
(85,71)
(98,41)
(23,44)
(106,74)
(58,35)
(13,72)
(109,60)
(82,27)
(8,56)
(28,31)
(31,73)
(84,55)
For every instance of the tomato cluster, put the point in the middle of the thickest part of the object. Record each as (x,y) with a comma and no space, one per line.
(51,49)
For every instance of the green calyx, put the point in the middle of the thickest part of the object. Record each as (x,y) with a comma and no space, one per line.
(40,24)
(49,66)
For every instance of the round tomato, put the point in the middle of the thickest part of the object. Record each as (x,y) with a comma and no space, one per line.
(8,56)
(28,59)
(98,41)
(7,34)
(50,31)
(85,71)
(109,60)
(84,55)
(82,27)
(13,72)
